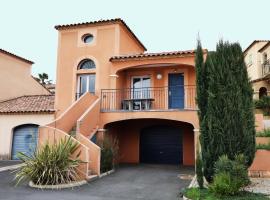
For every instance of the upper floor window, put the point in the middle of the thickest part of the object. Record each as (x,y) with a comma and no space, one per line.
(264,57)
(87,38)
(250,59)
(87,64)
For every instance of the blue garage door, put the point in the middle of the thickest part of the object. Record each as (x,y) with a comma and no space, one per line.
(24,140)
(161,145)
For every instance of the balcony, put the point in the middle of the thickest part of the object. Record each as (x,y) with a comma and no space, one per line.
(266,68)
(178,97)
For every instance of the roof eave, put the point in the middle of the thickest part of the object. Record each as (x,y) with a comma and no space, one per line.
(16,56)
(101,22)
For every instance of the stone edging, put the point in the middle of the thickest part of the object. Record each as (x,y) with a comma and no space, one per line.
(68,185)
(11,167)
(61,186)
(106,173)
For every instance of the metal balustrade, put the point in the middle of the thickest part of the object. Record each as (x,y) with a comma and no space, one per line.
(177,97)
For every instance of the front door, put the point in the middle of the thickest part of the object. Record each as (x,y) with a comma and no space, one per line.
(86,83)
(176,91)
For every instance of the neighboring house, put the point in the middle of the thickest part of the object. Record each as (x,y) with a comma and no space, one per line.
(257,58)
(107,84)
(50,87)
(24,105)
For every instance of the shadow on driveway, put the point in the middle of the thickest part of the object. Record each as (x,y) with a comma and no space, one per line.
(129,182)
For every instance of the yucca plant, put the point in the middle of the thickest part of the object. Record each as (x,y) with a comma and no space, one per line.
(51,164)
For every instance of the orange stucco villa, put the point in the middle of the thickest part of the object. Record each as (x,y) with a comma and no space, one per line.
(107,84)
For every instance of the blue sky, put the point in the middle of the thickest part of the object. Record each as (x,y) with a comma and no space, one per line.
(27,27)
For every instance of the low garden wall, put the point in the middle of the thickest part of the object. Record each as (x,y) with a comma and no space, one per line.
(261,164)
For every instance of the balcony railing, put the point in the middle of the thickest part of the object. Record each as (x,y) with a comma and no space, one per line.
(177,97)
(266,67)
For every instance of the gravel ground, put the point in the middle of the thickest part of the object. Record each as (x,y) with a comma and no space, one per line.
(260,185)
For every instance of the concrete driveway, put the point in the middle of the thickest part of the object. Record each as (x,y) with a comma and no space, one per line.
(149,182)
(5,163)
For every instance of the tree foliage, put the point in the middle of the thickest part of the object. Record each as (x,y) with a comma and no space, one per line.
(224,97)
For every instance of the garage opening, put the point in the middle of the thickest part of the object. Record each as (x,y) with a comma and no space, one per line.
(161,145)
(24,140)
(153,141)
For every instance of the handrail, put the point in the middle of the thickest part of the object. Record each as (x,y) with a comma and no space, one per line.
(149,87)
(149,98)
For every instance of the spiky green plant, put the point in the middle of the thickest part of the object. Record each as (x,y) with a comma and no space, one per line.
(51,164)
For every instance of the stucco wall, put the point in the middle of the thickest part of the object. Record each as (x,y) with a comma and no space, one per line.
(71,50)
(9,122)
(127,43)
(16,80)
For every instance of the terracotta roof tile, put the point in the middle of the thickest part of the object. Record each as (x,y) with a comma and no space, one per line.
(15,56)
(100,22)
(151,55)
(28,104)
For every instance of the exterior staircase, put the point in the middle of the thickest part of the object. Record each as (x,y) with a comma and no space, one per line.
(80,121)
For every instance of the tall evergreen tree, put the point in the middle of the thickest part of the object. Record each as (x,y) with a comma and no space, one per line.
(227,120)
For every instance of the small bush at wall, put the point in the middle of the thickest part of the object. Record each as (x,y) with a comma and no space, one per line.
(264,133)
(109,152)
(263,146)
(51,164)
(264,104)
(230,176)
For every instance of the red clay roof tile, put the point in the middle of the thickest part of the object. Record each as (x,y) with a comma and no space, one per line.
(101,22)
(28,104)
(151,55)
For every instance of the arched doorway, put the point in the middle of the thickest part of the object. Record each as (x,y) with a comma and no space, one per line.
(161,144)
(24,140)
(262,92)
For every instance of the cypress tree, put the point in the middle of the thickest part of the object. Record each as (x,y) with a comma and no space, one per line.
(227,121)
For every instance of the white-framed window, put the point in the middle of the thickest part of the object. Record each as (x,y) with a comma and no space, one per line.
(85,83)
(87,64)
(264,57)
(250,59)
(140,86)
(87,38)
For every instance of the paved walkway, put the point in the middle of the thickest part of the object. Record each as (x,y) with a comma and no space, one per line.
(260,185)
(149,182)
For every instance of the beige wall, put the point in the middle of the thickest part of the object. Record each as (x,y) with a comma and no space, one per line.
(16,80)
(9,122)
(254,66)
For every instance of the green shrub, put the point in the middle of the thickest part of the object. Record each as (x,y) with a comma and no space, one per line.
(264,133)
(205,194)
(263,146)
(223,185)
(51,164)
(264,104)
(109,152)
(199,170)
(230,175)
(192,193)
